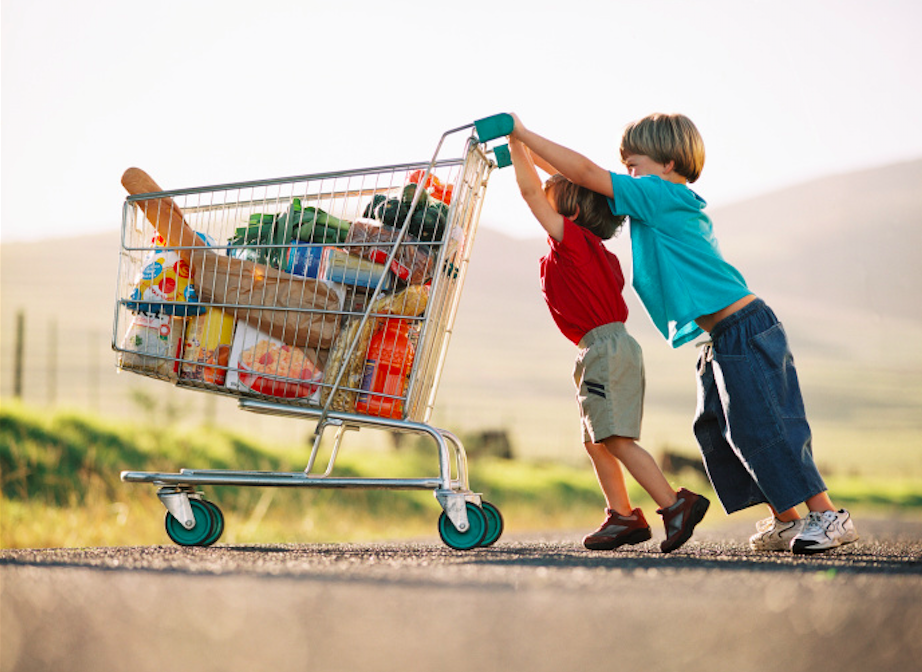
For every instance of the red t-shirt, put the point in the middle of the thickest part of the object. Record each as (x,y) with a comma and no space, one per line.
(582,283)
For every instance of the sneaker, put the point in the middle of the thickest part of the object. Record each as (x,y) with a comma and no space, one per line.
(775,535)
(825,530)
(680,518)
(618,530)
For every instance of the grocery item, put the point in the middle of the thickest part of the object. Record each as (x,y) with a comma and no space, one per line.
(207,342)
(303,259)
(152,345)
(369,239)
(347,269)
(265,236)
(409,302)
(265,365)
(440,192)
(298,311)
(429,216)
(387,370)
(164,285)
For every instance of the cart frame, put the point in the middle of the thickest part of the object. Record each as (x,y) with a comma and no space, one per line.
(467,521)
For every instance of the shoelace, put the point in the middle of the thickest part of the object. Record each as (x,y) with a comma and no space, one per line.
(764,525)
(816,522)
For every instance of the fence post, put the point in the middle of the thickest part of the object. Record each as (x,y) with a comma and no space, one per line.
(19,352)
(52,363)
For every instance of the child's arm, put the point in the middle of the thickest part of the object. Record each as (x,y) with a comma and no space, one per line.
(542,164)
(574,166)
(530,185)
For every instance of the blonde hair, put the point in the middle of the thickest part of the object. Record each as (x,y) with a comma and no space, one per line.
(584,207)
(665,138)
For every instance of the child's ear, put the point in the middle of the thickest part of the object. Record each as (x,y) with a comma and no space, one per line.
(575,214)
(669,167)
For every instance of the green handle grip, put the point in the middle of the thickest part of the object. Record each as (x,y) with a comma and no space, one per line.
(497,126)
(502,156)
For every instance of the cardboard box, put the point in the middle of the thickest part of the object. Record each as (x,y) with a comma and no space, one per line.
(265,365)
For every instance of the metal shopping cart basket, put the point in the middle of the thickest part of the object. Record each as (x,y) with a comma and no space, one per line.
(328,297)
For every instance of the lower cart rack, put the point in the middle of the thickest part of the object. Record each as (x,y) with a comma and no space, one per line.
(466,522)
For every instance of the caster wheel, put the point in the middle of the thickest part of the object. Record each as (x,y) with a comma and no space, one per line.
(494,524)
(471,537)
(209,523)
(218,526)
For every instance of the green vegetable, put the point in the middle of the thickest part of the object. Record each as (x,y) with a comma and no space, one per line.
(434,221)
(369,211)
(269,235)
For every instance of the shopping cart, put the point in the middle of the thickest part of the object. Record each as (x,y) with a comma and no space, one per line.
(328,297)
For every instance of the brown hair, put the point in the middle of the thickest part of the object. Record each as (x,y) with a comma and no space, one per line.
(665,138)
(584,207)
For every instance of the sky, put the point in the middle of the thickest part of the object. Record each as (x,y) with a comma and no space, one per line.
(201,92)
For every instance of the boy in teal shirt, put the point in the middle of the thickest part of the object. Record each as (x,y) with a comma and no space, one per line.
(750,422)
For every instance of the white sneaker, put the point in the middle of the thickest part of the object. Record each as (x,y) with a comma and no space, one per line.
(825,530)
(775,535)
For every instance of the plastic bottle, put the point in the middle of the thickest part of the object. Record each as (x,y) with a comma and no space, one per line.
(387,370)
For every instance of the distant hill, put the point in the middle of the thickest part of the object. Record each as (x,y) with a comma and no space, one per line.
(851,240)
(840,260)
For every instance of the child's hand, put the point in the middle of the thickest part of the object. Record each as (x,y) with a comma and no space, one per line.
(517,126)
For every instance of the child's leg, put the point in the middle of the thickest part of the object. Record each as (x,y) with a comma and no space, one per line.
(821,502)
(611,478)
(642,467)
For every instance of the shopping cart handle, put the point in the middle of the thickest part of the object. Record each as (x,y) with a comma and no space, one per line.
(490,128)
(502,156)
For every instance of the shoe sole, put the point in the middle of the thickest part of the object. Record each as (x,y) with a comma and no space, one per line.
(803,549)
(695,516)
(635,537)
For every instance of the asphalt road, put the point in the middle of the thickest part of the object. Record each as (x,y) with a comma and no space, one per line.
(534,602)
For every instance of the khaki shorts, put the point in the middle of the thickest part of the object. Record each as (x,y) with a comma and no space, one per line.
(609,380)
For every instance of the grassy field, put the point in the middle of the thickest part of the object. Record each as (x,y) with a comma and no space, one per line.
(60,487)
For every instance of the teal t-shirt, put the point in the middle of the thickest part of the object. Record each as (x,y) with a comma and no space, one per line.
(679,272)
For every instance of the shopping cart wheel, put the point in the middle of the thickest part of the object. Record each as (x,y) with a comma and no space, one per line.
(494,524)
(218,526)
(472,537)
(209,524)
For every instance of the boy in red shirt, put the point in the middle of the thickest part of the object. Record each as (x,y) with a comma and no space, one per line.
(582,284)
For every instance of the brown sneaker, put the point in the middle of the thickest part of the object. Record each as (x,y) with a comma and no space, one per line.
(618,530)
(680,518)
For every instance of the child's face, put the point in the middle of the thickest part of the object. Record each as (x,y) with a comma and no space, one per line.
(640,164)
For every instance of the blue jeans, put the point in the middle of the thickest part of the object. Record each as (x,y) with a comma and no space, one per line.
(750,422)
